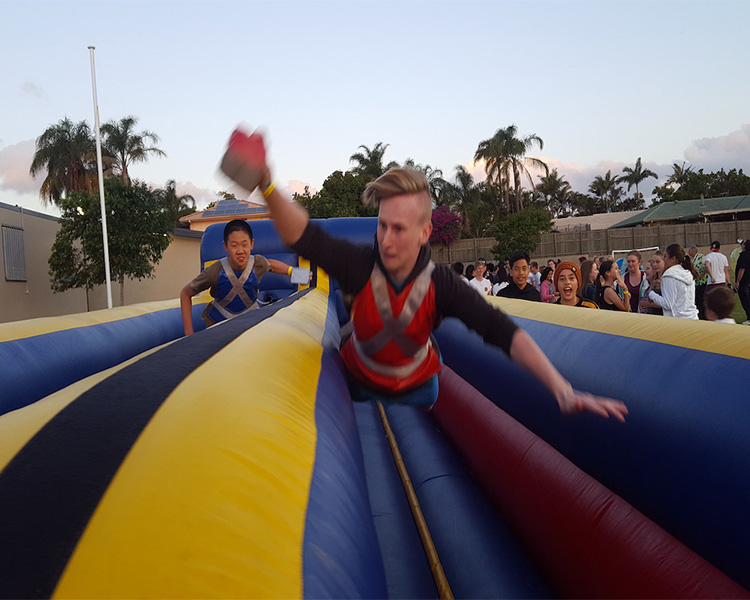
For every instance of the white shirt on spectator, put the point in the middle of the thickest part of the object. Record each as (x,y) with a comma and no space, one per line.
(718,262)
(484,286)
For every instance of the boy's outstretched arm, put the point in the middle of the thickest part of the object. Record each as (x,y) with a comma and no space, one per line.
(245,163)
(186,308)
(525,352)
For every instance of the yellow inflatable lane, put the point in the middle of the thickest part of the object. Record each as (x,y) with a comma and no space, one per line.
(211,500)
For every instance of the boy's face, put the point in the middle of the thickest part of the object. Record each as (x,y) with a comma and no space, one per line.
(520,272)
(238,247)
(479,271)
(402,231)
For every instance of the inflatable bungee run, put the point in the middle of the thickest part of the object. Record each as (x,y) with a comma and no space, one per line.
(138,463)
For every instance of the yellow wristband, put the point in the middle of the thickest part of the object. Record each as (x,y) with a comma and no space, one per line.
(289,272)
(268,190)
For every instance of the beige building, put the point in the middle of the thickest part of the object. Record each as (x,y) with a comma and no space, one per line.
(25,292)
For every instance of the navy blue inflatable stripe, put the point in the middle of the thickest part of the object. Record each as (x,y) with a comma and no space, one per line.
(480,555)
(407,570)
(32,368)
(683,456)
(341,555)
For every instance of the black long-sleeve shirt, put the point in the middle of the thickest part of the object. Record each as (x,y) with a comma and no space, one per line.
(351,265)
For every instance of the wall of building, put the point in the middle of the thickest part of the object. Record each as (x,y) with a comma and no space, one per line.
(34,297)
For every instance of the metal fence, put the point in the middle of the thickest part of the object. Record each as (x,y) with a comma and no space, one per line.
(603,241)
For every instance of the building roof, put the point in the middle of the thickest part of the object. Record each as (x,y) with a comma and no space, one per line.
(687,210)
(226,210)
(599,221)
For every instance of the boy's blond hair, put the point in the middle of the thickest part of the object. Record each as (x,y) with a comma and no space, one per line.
(397,182)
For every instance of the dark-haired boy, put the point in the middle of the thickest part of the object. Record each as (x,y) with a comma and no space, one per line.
(233,281)
(519,286)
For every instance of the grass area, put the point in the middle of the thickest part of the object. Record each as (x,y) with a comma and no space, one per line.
(738,314)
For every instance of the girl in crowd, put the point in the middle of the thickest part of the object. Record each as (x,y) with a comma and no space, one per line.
(635,280)
(502,280)
(589,275)
(653,275)
(677,296)
(606,297)
(567,281)
(548,286)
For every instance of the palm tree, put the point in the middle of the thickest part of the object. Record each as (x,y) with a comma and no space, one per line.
(634,176)
(680,175)
(556,192)
(434,177)
(504,153)
(495,151)
(461,195)
(175,206)
(127,146)
(370,162)
(607,189)
(67,152)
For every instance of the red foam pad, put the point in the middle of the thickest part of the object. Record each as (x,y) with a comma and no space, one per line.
(245,159)
(588,540)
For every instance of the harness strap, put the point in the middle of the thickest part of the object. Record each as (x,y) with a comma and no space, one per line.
(238,288)
(394,327)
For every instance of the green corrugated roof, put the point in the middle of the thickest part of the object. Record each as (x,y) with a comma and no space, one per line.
(687,210)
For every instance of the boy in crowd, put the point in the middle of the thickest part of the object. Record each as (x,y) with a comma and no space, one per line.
(719,304)
(480,283)
(519,286)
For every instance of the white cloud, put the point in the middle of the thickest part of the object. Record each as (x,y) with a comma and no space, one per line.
(15,161)
(731,151)
(31,89)
(297,187)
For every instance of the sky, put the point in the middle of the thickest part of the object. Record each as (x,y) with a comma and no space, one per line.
(602,83)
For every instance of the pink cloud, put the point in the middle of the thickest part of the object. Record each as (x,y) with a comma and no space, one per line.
(727,151)
(15,161)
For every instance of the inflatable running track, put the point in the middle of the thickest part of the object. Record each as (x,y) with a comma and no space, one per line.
(137,463)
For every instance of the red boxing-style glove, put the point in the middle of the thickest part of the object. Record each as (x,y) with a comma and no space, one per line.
(245,159)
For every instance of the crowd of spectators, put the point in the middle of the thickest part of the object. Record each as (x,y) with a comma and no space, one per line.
(671,282)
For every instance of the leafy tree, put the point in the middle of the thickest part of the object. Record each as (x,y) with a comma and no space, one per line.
(636,175)
(66,151)
(339,197)
(635,202)
(521,231)
(175,205)
(709,185)
(446,226)
(607,190)
(556,193)
(583,205)
(137,232)
(126,145)
(505,155)
(370,162)
(482,216)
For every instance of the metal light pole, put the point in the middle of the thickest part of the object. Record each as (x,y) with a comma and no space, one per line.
(101,180)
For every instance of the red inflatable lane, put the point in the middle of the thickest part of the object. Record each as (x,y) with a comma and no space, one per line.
(589,541)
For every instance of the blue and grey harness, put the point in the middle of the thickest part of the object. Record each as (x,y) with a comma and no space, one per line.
(234,295)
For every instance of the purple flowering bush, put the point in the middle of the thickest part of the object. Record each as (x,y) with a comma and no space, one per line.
(446,226)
